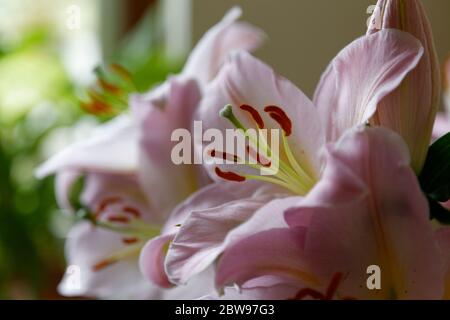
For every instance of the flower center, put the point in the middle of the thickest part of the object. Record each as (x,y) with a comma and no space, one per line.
(109,96)
(277,165)
(114,215)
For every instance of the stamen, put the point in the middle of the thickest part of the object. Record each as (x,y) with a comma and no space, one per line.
(106,203)
(119,218)
(224,156)
(109,87)
(130,240)
(230,176)
(281,117)
(103,264)
(329,294)
(334,284)
(290,175)
(133,211)
(96,107)
(260,159)
(254,114)
(297,169)
(120,70)
(117,256)
(302,294)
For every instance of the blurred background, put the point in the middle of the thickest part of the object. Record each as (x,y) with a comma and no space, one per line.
(49,50)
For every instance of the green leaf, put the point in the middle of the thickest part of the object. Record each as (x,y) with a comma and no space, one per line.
(438,212)
(435,176)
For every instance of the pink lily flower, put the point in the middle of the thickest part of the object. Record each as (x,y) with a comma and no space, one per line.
(367,70)
(366,210)
(417,99)
(125,204)
(106,252)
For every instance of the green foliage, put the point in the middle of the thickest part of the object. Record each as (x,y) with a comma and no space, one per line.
(36,97)
(435,178)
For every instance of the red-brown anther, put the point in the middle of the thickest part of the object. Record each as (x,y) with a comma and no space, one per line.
(277,114)
(102,265)
(254,114)
(223,155)
(120,70)
(308,292)
(109,87)
(260,159)
(119,218)
(133,211)
(106,203)
(130,240)
(96,107)
(334,284)
(329,294)
(230,176)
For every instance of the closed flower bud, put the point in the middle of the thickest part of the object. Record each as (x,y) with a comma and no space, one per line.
(411,109)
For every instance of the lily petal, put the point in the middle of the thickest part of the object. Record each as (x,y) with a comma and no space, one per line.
(361,75)
(246,80)
(86,246)
(151,260)
(277,252)
(228,35)
(208,232)
(215,195)
(385,224)
(197,244)
(111,148)
(159,113)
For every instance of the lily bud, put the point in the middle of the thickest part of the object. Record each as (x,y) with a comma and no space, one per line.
(411,109)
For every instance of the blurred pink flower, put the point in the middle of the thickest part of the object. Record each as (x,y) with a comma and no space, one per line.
(130,187)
